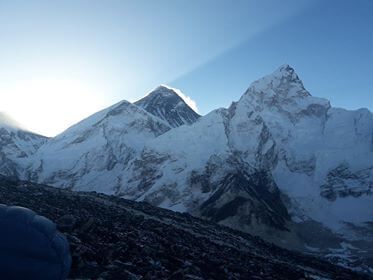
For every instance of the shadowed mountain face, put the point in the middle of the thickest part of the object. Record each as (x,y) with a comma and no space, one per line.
(167,105)
(275,163)
(114,238)
(245,197)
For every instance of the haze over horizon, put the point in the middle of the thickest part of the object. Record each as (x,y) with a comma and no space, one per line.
(62,61)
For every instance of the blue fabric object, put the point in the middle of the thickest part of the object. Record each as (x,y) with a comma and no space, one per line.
(31,247)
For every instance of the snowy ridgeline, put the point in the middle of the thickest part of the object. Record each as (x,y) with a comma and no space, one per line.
(270,164)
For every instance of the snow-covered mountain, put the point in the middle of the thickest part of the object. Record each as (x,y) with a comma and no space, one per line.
(165,103)
(279,162)
(319,158)
(16,146)
(324,155)
(93,153)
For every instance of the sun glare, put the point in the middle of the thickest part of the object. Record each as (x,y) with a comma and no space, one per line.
(48,105)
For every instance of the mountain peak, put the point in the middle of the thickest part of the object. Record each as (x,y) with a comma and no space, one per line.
(286,71)
(283,83)
(170,105)
(285,68)
(164,91)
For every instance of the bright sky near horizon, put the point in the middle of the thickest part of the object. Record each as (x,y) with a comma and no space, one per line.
(61,61)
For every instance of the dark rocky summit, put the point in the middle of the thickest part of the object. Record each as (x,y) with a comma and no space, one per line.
(166,104)
(114,238)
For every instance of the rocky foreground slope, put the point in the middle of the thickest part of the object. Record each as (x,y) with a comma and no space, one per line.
(114,238)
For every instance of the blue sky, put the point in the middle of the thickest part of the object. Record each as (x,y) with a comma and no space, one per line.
(63,60)
(330,45)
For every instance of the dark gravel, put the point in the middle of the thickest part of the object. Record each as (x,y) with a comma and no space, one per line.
(113,238)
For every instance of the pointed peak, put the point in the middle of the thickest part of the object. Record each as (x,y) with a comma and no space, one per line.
(168,88)
(173,95)
(286,71)
(169,104)
(285,68)
(161,94)
(164,90)
(283,82)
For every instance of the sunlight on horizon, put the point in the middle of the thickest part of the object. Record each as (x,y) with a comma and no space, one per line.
(46,105)
(57,70)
